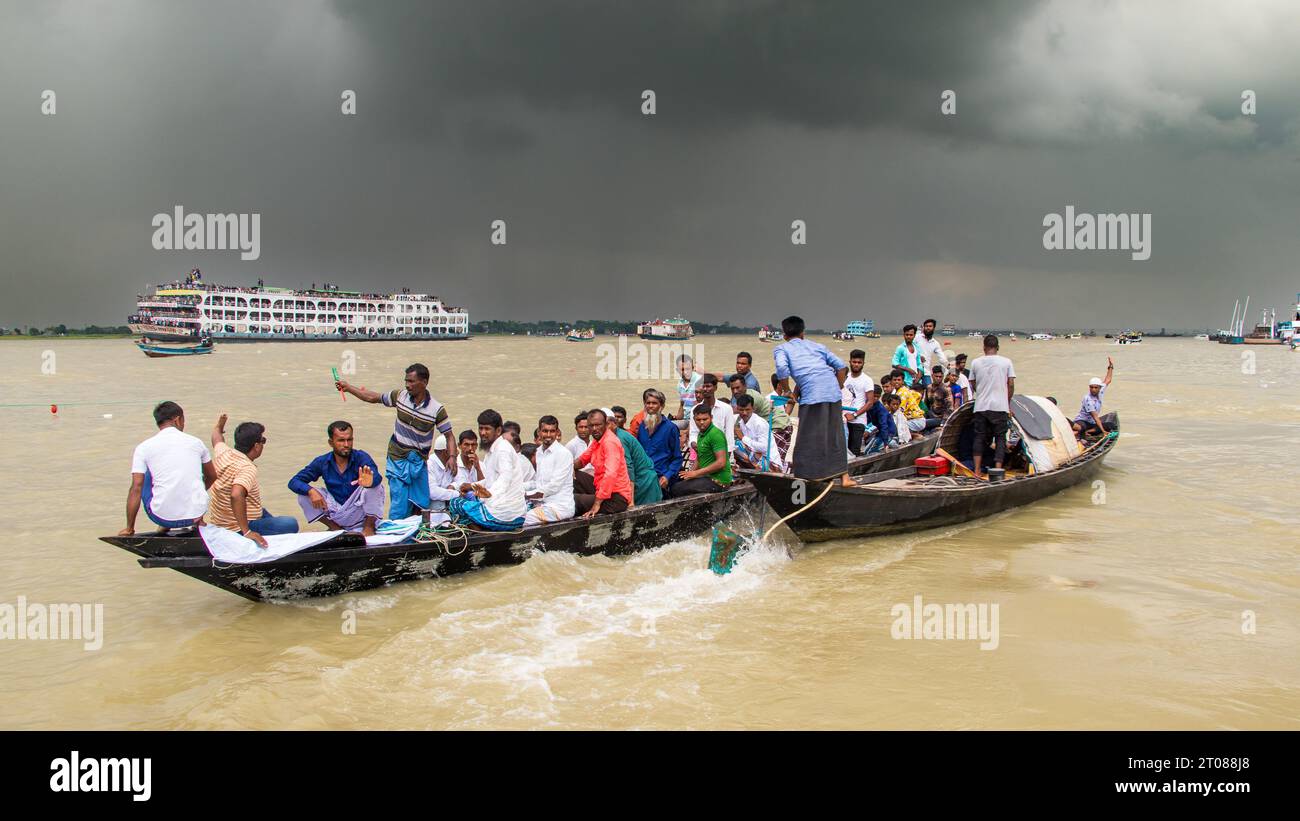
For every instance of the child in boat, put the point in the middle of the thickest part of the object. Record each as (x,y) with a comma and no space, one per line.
(938,396)
(894,404)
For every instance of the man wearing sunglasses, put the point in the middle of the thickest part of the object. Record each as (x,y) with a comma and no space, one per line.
(235,498)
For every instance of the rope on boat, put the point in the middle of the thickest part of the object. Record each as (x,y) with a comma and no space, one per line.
(443,535)
(830,483)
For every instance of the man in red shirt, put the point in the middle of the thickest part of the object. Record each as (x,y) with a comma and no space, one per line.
(612,492)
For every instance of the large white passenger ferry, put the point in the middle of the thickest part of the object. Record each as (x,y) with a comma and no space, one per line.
(187,309)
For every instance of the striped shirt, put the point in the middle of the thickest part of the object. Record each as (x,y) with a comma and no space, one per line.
(233,468)
(413,429)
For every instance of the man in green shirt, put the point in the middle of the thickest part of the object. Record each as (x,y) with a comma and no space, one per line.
(713,469)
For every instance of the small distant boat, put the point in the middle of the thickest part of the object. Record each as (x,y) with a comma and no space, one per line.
(1040,337)
(949,329)
(576,335)
(766,334)
(843,336)
(1203,337)
(1128,337)
(154,351)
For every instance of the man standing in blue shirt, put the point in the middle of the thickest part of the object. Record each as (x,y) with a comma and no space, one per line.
(910,358)
(744,362)
(352,499)
(819,451)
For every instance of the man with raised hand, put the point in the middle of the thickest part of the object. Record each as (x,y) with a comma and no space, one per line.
(352,499)
(419,418)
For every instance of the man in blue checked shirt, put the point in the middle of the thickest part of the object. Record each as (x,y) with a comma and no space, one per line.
(818,374)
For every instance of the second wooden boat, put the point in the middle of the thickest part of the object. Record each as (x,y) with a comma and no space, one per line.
(900,500)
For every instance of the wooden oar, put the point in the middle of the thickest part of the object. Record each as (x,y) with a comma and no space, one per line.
(956,464)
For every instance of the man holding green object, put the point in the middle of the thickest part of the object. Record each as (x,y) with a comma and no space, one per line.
(419,418)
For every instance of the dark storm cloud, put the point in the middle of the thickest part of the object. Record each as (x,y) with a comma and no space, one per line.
(767,112)
(718,65)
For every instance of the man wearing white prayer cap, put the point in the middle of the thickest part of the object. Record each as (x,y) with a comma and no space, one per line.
(441,483)
(1087,422)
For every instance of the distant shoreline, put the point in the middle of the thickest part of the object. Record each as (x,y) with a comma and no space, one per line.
(48,337)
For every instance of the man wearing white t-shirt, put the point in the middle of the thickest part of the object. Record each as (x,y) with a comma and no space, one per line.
(993,379)
(170,474)
(932,349)
(853,393)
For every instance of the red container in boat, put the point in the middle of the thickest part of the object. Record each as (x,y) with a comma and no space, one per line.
(932,466)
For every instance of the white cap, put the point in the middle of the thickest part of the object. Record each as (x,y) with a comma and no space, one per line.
(609,414)
(1096,382)
(440,443)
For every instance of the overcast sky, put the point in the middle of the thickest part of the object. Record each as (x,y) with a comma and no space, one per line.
(530,112)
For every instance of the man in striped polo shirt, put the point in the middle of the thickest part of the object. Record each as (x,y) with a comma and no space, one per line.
(420,417)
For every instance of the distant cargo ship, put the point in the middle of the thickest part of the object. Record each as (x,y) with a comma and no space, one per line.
(183,310)
(949,329)
(671,330)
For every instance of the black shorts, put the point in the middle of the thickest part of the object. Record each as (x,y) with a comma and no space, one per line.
(990,425)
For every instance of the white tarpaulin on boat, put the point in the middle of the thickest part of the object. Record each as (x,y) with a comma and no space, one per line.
(1052,441)
(228,546)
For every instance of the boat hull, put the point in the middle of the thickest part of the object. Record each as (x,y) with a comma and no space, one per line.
(345,564)
(859,512)
(863,465)
(159,352)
